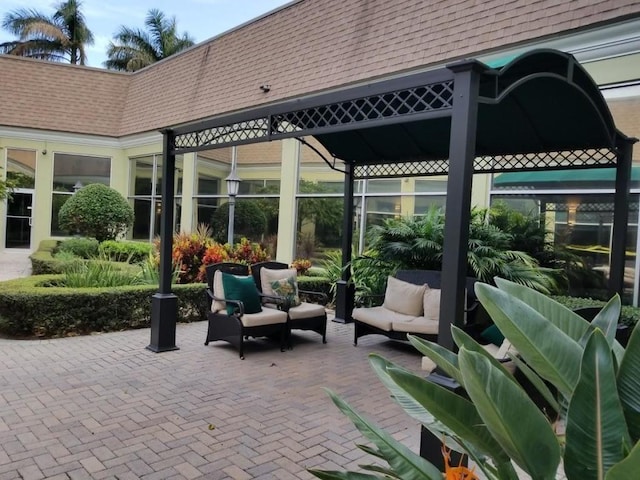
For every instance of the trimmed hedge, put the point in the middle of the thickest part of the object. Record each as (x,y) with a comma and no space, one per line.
(80,247)
(44,263)
(29,307)
(315,284)
(126,250)
(42,260)
(628,315)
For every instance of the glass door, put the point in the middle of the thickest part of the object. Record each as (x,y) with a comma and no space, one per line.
(19,220)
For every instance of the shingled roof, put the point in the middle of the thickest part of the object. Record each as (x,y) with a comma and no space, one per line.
(306,46)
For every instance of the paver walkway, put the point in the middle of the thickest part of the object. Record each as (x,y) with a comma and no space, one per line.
(14,263)
(102,406)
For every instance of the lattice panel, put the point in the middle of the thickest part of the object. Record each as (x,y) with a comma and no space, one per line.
(541,161)
(375,107)
(606,207)
(407,169)
(532,161)
(223,135)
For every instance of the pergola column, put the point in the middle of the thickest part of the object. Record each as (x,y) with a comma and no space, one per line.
(345,290)
(164,304)
(462,145)
(620,215)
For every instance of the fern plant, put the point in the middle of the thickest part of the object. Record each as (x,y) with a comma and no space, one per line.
(417,243)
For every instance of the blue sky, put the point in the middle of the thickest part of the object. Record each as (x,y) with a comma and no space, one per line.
(202,19)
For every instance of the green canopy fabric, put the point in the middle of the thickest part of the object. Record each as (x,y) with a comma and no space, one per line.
(562,177)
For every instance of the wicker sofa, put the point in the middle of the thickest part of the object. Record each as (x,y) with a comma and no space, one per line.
(411,305)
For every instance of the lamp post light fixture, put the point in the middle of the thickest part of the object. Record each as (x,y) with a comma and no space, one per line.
(233,185)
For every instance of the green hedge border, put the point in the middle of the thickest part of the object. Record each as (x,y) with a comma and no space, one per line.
(28,307)
(42,260)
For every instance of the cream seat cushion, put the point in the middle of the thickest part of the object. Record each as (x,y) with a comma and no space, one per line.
(417,325)
(500,354)
(404,297)
(306,310)
(379,317)
(267,316)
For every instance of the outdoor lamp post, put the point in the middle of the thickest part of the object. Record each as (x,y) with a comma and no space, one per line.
(233,185)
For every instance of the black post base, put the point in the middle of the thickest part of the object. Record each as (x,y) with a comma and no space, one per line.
(430,445)
(345,292)
(164,312)
(431,450)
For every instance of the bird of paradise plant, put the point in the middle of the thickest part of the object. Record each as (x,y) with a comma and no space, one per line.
(495,422)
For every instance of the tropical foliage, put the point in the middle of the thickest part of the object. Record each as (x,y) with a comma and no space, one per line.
(61,37)
(192,252)
(417,243)
(96,211)
(133,48)
(495,422)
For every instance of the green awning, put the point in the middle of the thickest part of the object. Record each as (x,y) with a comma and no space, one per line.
(592,175)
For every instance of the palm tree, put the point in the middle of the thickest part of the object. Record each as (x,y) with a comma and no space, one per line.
(61,37)
(134,48)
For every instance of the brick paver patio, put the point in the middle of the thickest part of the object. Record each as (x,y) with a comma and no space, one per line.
(101,406)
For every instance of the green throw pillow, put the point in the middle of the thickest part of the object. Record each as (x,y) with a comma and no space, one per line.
(288,288)
(243,289)
(493,335)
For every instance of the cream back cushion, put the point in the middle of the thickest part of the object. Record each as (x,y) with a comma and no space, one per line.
(431,304)
(268,275)
(404,297)
(218,291)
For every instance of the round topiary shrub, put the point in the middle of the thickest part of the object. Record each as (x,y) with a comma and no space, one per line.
(96,211)
(250,221)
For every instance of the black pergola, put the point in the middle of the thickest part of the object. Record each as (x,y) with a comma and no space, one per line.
(540,111)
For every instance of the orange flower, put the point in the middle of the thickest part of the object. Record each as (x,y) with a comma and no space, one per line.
(456,473)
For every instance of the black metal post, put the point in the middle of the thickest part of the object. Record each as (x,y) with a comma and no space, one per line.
(620,216)
(345,291)
(164,304)
(462,145)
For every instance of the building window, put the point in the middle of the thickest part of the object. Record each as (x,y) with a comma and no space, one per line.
(71,172)
(578,213)
(21,168)
(146,198)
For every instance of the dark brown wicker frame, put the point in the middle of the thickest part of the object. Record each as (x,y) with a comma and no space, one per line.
(229,328)
(316,324)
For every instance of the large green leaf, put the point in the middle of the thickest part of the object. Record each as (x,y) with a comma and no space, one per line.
(456,412)
(334,475)
(537,383)
(553,354)
(409,404)
(403,461)
(562,317)
(596,430)
(607,319)
(443,357)
(627,468)
(511,417)
(462,339)
(629,384)
(418,411)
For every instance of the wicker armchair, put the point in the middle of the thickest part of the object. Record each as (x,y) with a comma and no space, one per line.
(304,315)
(228,318)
